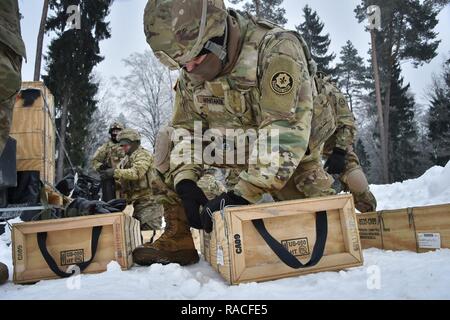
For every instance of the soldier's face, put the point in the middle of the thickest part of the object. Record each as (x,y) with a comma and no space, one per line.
(191,65)
(126,148)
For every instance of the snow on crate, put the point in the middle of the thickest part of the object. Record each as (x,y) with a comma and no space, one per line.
(385,274)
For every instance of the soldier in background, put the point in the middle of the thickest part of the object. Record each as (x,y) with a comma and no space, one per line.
(108,156)
(341,160)
(134,175)
(12,50)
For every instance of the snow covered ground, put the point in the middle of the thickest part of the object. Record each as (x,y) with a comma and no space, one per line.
(385,274)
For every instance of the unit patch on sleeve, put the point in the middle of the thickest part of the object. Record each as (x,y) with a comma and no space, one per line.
(282,83)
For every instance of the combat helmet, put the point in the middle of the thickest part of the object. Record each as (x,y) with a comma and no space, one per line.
(179,30)
(127,136)
(116,126)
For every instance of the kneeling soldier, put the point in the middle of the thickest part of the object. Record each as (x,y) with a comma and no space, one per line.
(341,160)
(134,176)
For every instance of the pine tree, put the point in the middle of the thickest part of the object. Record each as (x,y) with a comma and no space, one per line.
(407,34)
(439,118)
(72,56)
(311,30)
(267,9)
(352,73)
(403,147)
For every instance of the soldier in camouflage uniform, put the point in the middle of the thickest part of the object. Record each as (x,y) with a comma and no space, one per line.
(134,174)
(338,150)
(176,245)
(12,50)
(106,157)
(237,73)
(111,153)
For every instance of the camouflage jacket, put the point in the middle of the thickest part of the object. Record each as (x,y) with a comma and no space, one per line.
(344,134)
(134,175)
(109,154)
(10,26)
(270,88)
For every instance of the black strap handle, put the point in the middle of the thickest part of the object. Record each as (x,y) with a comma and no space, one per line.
(42,243)
(285,255)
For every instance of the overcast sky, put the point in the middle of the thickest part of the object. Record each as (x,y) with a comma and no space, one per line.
(128,36)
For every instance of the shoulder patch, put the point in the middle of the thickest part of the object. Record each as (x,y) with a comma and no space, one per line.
(282,83)
(342,102)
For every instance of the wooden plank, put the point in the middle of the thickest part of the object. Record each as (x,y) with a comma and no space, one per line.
(259,273)
(33,128)
(30,145)
(433,220)
(27,119)
(222,248)
(68,238)
(245,257)
(370,230)
(400,229)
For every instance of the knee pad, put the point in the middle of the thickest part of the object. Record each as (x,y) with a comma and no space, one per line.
(356,181)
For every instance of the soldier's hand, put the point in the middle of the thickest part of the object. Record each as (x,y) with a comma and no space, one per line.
(107,174)
(193,198)
(216,204)
(336,162)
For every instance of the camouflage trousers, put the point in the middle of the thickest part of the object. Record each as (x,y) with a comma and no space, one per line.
(309,180)
(211,186)
(10,83)
(149,213)
(353,180)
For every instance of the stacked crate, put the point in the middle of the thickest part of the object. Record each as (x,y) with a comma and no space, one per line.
(33,128)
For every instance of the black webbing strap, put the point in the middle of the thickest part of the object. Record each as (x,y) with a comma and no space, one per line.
(285,255)
(42,242)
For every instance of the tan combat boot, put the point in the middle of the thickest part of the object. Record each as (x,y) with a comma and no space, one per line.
(174,246)
(4,275)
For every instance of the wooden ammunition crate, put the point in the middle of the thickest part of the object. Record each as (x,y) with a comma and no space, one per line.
(33,128)
(70,242)
(419,229)
(240,254)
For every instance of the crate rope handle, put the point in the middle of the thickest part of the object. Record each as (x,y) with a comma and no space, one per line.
(284,255)
(42,242)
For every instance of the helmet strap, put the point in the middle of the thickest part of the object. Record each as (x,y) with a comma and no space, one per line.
(221,51)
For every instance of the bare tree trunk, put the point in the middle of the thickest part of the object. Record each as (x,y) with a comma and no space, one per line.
(386,113)
(40,42)
(381,122)
(62,142)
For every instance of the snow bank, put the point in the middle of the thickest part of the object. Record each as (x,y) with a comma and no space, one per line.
(432,188)
(385,274)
